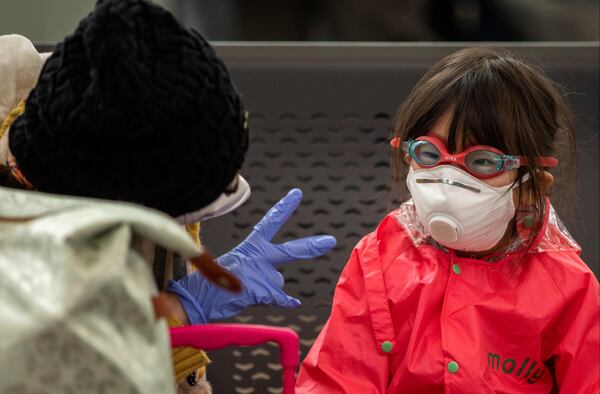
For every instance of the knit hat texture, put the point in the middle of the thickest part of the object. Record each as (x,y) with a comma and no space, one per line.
(133,106)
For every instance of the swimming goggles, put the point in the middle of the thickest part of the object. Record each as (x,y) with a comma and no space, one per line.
(480,161)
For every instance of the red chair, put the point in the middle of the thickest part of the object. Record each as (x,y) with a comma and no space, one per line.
(216,336)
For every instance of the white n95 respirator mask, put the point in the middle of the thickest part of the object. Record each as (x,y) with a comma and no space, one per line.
(460,211)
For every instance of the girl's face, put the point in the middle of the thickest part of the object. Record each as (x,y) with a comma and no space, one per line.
(440,131)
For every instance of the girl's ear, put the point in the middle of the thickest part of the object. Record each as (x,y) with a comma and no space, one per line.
(545,179)
(406,158)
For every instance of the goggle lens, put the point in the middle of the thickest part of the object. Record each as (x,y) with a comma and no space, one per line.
(484,162)
(425,153)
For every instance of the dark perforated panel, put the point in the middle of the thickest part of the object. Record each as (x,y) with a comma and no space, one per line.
(323,154)
(320,121)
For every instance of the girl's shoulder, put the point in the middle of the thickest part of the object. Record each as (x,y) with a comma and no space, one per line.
(396,233)
(399,231)
(556,237)
(555,256)
(566,271)
(559,254)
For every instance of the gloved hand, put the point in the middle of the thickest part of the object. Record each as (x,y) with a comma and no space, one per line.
(254,261)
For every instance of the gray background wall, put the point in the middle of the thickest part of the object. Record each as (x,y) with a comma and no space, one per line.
(47,20)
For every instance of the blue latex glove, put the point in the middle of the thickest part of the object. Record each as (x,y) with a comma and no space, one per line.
(254,261)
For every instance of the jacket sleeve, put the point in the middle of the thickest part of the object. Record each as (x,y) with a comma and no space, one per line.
(344,358)
(575,335)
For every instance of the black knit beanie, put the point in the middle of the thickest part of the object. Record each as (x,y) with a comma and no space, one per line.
(132,106)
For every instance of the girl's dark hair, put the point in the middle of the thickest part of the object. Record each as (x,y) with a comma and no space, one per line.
(498,100)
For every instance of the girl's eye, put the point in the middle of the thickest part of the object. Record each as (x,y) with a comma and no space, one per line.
(426,154)
(430,155)
(483,162)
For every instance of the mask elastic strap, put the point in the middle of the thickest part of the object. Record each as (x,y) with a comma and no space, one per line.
(524,179)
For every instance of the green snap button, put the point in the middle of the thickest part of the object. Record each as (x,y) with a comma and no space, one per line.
(452,366)
(456,269)
(529,221)
(387,346)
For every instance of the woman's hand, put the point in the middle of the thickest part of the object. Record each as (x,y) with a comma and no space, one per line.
(255,262)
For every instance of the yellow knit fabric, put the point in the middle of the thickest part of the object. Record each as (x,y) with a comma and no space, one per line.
(187,360)
(194,231)
(10,118)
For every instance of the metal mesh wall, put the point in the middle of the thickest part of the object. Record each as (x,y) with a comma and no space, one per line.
(320,121)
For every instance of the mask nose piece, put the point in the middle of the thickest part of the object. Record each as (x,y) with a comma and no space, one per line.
(444,229)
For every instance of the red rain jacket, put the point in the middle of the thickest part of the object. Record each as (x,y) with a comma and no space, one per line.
(409,317)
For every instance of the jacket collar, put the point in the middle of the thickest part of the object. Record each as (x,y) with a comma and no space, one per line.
(553,235)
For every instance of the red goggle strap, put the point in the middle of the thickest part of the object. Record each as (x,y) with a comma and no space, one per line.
(541,161)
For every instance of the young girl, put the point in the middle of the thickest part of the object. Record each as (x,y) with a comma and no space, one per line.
(474,285)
